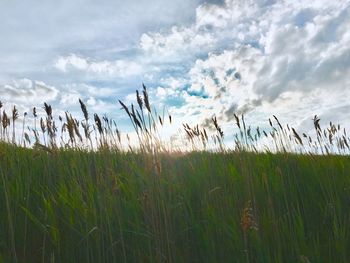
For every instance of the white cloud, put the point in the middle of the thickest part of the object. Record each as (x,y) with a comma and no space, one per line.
(89,90)
(117,68)
(178,42)
(63,63)
(303,58)
(70,98)
(26,92)
(289,58)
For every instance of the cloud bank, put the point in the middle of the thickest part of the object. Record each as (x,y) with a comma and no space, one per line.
(290,58)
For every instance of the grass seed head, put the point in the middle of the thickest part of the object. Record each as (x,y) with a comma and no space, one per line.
(84,110)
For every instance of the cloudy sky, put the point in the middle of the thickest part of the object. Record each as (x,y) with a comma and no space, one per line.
(198,58)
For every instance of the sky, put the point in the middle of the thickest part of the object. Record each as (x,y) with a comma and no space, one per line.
(198,58)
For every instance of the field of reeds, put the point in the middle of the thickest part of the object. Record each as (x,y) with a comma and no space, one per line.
(76,190)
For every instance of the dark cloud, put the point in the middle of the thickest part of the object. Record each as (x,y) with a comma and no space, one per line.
(229,113)
(240,110)
(215,2)
(208,124)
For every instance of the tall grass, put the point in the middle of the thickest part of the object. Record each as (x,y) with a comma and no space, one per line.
(74,193)
(94,132)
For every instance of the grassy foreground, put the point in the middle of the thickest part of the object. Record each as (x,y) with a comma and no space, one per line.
(76,206)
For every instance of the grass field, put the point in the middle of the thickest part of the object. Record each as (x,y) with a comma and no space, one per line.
(74,206)
(77,196)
